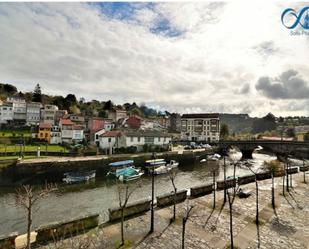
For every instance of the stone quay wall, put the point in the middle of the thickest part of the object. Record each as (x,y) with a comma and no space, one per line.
(168,199)
(201,190)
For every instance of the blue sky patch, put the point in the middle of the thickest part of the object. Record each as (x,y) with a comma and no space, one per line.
(126,11)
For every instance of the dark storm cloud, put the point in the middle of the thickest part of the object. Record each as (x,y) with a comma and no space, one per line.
(289,85)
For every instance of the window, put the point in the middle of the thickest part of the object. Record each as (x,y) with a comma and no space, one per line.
(159,139)
(109,139)
(131,139)
(96,136)
(138,139)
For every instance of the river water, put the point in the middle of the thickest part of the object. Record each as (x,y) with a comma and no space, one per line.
(71,201)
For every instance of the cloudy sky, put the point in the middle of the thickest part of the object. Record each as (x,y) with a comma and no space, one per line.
(233,57)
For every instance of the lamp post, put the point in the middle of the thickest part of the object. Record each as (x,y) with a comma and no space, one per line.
(152,195)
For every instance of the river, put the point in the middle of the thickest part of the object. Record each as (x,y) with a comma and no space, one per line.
(71,201)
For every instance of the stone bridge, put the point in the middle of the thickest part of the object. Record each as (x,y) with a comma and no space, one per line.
(279,148)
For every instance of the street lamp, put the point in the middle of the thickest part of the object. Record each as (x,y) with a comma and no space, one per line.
(152,194)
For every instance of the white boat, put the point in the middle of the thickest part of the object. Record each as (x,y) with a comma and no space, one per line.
(73,177)
(173,164)
(214,157)
(158,166)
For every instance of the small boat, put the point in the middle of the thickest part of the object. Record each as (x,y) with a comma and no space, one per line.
(203,160)
(214,157)
(124,170)
(128,174)
(158,166)
(74,177)
(173,164)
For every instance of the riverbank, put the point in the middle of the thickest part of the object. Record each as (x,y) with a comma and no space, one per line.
(209,228)
(16,172)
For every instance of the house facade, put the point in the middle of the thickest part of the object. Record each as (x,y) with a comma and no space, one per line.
(200,127)
(124,139)
(55,135)
(33,113)
(48,114)
(66,127)
(45,132)
(6,113)
(77,133)
(116,114)
(19,110)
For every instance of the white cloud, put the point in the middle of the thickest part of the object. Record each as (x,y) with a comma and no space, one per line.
(74,48)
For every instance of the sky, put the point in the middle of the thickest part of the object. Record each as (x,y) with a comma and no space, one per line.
(231,57)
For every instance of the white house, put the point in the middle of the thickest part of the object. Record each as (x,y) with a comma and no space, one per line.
(48,114)
(6,113)
(96,135)
(33,113)
(19,109)
(120,139)
(77,133)
(66,126)
(55,135)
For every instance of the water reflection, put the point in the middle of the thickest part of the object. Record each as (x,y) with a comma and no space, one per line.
(99,195)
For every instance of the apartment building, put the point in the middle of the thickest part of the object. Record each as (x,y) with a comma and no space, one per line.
(48,114)
(33,113)
(6,113)
(200,127)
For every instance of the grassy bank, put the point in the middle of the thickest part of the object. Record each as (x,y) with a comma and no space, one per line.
(31,148)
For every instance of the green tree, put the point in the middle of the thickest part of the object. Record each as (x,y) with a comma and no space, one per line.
(290,132)
(224,131)
(37,94)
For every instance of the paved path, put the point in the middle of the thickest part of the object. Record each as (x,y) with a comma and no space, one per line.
(209,228)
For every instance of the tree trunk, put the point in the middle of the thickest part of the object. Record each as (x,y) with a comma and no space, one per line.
(29,224)
(231,225)
(224,173)
(183,232)
(287,178)
(214,191)
(175,192)
(122,221)
(257,202)
(272,190)
(304,177)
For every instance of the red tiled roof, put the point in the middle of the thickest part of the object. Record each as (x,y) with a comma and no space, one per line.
(45,125)
(78,127)
(66,122)
(111,134)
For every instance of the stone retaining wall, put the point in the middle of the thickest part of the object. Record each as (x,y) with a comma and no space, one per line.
(293,170)
(263,176)
(246,179)
(168,199)
(60,230)
(304,168)
(131,209)
(228,184)
(201,190)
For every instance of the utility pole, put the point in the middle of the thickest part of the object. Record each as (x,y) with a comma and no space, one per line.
(152,195)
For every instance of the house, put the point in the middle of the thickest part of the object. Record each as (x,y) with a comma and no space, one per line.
(124,139)
(19,110)
(60,114)
(55,135)
(115,114)
(97,126)
(110,139)
(200,127)
(6,113)
(48,114)
(78,119)
(66,127)
(33,113)
(44,132)
(300,132)
(97,134)
(133,122)
(77,133)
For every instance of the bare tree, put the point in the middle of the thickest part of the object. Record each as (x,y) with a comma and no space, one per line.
(172,175)
(231,198)
(185,218)
(304,171)
(273,166)
(124,193)
(27,198)
(214,190)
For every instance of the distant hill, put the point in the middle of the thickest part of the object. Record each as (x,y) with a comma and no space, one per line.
(237,122)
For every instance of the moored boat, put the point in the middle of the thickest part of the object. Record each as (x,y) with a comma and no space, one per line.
(157,166)
(124,170)
(74,177)
(172,164)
